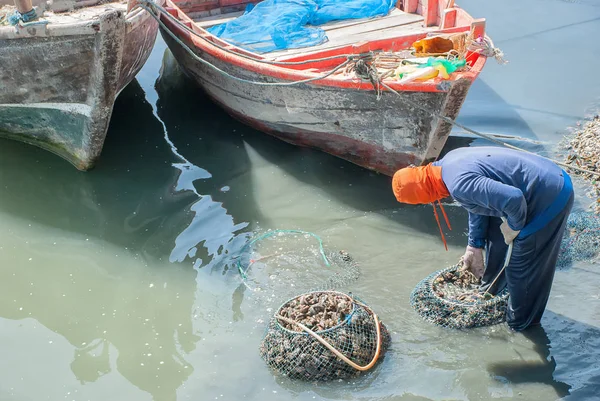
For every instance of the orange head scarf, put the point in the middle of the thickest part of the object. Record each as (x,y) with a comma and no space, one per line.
(419,185)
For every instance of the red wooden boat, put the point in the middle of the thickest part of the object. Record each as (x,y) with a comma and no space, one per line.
(340,114)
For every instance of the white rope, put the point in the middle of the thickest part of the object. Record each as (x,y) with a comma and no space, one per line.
(485,46)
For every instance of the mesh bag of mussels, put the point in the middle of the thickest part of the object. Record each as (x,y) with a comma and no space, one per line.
(345,323)
(451,298)
(581,240)
(322,334)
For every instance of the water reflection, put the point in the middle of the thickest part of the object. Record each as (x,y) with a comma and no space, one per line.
(128,303)
(568,358)
(144,313)
(541,371)
(236,155)
(217,243)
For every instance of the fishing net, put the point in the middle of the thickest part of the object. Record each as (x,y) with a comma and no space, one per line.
(323,333)
(287,24)
(451,298)
(283,263)
(581,240)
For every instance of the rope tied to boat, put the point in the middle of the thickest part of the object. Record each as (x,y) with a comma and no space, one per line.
(485,46)
(490,138)
(367,71)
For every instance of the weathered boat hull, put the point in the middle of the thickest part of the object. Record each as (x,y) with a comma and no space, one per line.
(60,81)
(382,134)
(338,114)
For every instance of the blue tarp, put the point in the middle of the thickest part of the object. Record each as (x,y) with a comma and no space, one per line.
(282,24)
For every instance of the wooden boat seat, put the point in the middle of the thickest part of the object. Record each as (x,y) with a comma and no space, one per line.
(341,33)
(212,20)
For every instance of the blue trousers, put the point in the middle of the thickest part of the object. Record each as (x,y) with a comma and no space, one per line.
(530,272)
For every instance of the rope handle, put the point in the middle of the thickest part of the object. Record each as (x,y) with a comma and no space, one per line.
(506,262)
(334,350)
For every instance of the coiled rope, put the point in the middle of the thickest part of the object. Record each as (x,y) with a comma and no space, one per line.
(485,46)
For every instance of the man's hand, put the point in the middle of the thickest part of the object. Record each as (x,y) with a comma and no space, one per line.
(508,233)
(473,260)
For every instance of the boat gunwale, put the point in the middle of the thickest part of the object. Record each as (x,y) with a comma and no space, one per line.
(132,26)
(287,74)
(87,26)
(136,13)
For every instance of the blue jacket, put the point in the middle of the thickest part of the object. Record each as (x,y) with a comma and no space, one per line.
(499,182)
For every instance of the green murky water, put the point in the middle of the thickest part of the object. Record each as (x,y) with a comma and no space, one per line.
(118,284)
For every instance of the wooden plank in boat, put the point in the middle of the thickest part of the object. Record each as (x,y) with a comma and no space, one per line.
(375,25)
(356,37)
(340,33)
(212,20)
(379,22)
(333,25)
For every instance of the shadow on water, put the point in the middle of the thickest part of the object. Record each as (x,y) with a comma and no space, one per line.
(562,355)
(486,111)
(228,141)
(140,194)
(569,360)
(540,371)
(204,138)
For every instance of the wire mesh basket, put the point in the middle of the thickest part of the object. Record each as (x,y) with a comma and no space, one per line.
(450,298)
(324,335)
(581,240)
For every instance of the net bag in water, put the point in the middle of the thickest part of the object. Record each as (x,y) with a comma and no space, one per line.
(451,298)
(324,335)
(581,240)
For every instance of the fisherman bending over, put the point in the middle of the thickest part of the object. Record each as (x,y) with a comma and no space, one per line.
(533,194)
